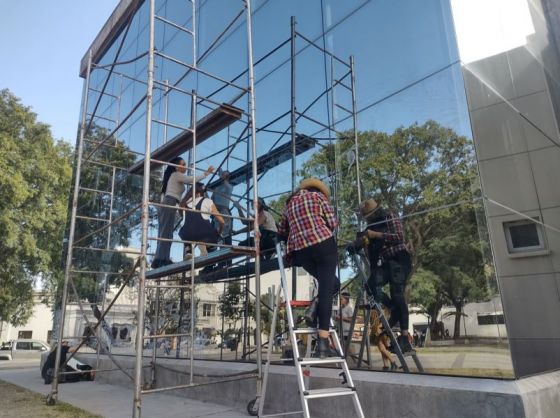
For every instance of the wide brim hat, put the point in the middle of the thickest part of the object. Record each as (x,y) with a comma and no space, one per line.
(368,208)
(315,183)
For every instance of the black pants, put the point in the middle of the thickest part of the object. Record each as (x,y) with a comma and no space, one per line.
(396,272)
(319,260)
(267,243)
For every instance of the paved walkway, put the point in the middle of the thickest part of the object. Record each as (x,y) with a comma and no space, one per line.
(116,402)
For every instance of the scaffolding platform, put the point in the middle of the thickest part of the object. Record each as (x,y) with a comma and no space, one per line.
(270,160)
(236,272)
(218,119)
(199,262)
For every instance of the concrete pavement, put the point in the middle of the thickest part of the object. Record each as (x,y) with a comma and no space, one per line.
(116,401)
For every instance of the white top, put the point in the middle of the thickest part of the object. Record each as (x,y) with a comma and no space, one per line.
(346,312)
(269,224)
(206,206)
(177,182)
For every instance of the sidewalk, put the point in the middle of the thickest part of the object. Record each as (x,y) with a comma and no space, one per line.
(115,401)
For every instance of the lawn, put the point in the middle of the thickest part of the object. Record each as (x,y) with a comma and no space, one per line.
(19,402)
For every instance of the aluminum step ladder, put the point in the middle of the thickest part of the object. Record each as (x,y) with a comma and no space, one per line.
(303,364)
(367,304)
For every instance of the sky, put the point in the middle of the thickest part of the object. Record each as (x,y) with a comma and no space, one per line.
(41,45)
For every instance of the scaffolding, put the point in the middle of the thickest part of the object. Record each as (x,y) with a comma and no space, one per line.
(115,185)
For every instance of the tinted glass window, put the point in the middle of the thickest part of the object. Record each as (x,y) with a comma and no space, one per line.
(23,346)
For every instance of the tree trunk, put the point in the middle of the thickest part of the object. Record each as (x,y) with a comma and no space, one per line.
(458,316)
(434,329)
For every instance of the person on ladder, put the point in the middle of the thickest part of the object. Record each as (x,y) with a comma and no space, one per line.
(308,224)
(390,262)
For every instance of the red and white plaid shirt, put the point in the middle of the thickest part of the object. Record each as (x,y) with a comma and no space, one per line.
(308,219)
(394,237)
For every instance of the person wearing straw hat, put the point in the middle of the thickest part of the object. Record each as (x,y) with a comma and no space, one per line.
(387,251)
(308,224)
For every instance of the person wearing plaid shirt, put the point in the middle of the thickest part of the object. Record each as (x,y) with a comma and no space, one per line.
(390,263)
(308,223)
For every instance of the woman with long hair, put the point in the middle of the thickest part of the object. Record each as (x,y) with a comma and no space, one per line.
(197,226)
(172,189)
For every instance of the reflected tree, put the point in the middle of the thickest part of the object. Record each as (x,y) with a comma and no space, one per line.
(426,174)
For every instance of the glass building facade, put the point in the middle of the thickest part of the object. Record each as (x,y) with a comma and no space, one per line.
(457,110)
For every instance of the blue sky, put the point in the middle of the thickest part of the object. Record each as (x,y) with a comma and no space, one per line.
(41,45)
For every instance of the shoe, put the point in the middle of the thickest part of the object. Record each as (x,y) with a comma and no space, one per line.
(310,315)
(166,262)
(385,369)
(156,263)
(394,366)
(323,349)
(404,344)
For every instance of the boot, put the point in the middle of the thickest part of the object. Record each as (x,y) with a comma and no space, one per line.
(310,315)
(394,366)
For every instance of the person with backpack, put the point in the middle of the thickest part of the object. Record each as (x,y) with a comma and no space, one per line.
(197,225)
(173,186)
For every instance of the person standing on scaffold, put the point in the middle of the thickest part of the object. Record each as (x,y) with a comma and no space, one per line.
(308,224)
(172,189)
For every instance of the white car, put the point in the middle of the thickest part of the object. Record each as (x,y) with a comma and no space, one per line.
(23,349)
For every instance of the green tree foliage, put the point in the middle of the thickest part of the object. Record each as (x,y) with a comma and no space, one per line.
(229,304)
(35,173)
(426,174)
(105,161)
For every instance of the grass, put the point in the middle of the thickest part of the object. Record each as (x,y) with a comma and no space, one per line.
(16,401)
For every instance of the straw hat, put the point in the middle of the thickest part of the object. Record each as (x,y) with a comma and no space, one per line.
(315,183)
(368,208)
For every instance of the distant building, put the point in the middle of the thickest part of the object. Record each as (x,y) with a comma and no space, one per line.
(39,325)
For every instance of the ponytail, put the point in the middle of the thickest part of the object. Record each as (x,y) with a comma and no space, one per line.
(168,171)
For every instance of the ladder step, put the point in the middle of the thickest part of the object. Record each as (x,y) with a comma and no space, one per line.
(328,392)
(327,360)
(309,330)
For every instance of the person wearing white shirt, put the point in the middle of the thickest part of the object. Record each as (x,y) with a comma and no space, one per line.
(172,189)
(197,226)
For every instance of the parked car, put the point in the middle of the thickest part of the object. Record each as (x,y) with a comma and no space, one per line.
(23,349)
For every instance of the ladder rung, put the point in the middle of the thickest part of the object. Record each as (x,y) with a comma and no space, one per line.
(327,360)
(328,392)
(308,330)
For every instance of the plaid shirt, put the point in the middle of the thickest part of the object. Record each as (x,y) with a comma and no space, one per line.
(394,238)
(308,219)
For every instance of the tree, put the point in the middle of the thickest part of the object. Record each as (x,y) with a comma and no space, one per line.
(229,303)
(427,175)
(35,174)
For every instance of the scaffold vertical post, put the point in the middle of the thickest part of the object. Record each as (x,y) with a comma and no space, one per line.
(53,397)
(137,407)
(193,206)
(355,127)
(293,122)
(252,112)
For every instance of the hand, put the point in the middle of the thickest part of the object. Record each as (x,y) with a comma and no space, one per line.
(209,170)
